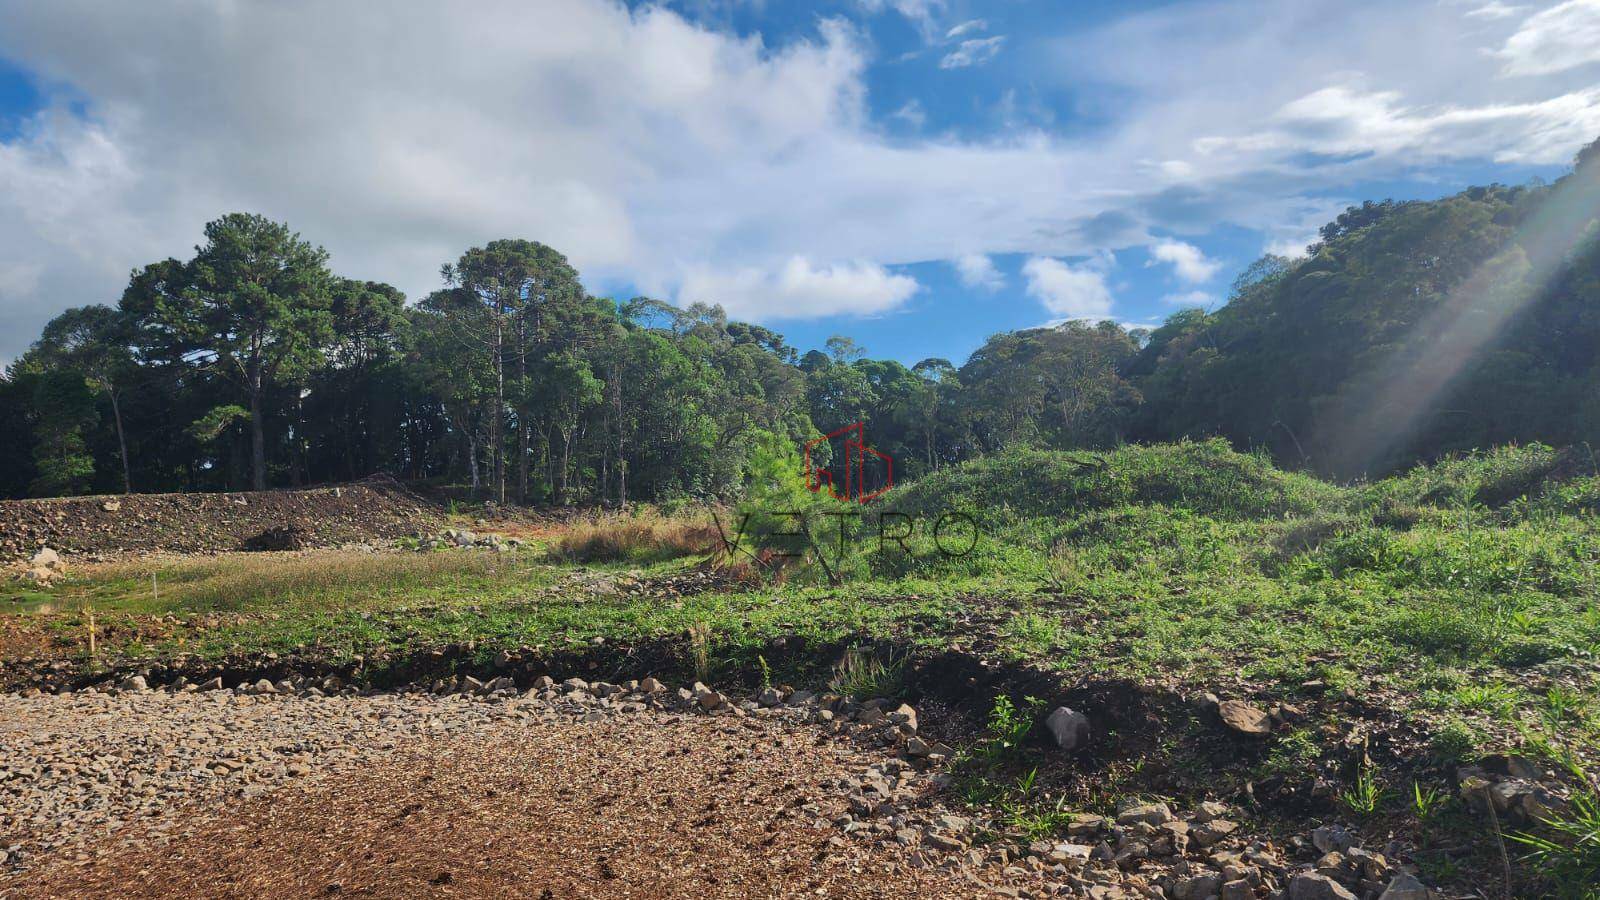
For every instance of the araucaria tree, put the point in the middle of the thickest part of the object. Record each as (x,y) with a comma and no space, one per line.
(252,306)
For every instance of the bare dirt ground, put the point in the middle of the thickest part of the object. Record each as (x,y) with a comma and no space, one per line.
(474,800)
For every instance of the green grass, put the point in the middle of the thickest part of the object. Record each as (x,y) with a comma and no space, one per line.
(1450,588)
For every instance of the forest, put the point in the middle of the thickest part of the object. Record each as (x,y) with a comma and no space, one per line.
(1409,331)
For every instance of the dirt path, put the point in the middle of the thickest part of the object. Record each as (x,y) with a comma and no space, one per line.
(648,807)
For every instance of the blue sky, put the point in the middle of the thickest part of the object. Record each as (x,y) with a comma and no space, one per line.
(918,174)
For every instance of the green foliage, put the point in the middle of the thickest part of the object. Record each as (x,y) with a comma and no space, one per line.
(1566,852)
(864,674)
(1366,795)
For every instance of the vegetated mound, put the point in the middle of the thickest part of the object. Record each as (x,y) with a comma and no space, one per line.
(1206,477)
(201,522)
(1560,480)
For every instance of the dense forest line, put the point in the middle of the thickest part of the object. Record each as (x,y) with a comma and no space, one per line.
(1409,331)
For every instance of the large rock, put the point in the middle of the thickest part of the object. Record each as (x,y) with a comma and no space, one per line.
(1310,886)
(1244,718)
(46,559)
(1406,887)
(1148,813)
(1069,727)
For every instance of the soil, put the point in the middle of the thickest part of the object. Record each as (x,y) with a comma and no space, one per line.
(677,808)
(376,509)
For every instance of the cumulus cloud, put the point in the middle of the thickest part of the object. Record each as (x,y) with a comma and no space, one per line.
(1071,292)
(974,52)
(798,289)
(649,147)
(977,270)
(1187,262)
(1559,38)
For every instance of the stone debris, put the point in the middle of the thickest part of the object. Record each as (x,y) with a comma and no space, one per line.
(165,745)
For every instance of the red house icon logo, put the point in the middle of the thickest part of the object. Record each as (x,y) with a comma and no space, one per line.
(860,467)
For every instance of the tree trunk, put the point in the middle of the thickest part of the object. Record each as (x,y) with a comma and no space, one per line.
(522,415)
(497,424)
(258,438)
(122,442)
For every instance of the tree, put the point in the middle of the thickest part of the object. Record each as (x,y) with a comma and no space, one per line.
(516,282)
(252,306)
(96,342)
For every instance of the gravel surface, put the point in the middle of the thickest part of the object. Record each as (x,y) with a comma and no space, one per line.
(227,794)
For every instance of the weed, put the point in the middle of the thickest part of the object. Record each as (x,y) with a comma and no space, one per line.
(1426,802)
(1366,795)
(766,672)
(700,650)
(1567,857)
(862,674)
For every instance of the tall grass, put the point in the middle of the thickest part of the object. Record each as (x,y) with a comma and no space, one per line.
(642,536)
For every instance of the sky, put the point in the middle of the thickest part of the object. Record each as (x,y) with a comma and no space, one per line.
(917,174)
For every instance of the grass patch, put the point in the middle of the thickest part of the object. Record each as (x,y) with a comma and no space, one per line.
(642,536)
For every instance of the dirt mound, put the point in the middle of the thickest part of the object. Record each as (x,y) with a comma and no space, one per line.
(187,523)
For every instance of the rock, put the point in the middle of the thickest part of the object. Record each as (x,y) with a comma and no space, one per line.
(46,558)
(1147,813)
(1332,839)
(263,686)
(111,505)
(572,685)
(905,717)
(134,683)
(916,746)
(1210,809)
(214,684)
(769,697)
(1406,887)
(1198,888)
(1244,718)
(1207,833)
(1069,727)
(651,686)
(1310,886)
(1238,889)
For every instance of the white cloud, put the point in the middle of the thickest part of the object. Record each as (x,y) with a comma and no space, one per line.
(1292,248)
(1186,260)
(1187,299)
(1072,292)
(1494,10)
(921,13)
(646,146)
(911,113)
(966,27)
(798,289)
(977,271)
(973,52)
(1554,40)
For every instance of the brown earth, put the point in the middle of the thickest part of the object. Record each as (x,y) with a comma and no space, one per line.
(190,523)
(691,807)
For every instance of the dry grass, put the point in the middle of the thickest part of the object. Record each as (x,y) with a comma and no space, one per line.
(644,535)
(243,581)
